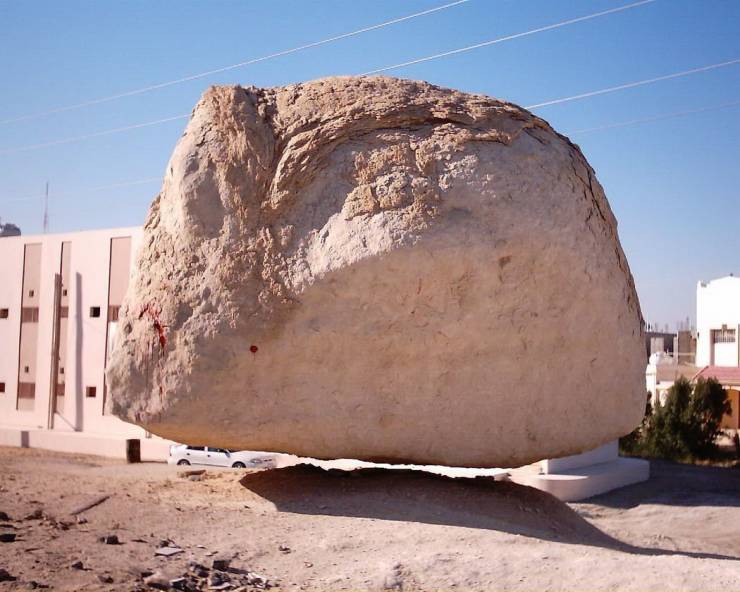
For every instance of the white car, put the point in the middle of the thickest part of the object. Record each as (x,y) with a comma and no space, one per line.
(182,454)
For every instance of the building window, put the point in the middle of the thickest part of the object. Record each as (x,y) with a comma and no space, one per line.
(64,291)
(61,369)
(723,335)
(113,313)
(90,391)
(31,293)
(4,313)
(95,312)
(26,369)
(26,390)
(2,387)
(30,314)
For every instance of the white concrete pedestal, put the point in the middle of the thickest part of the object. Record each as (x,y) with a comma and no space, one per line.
(110,445)
(573,478)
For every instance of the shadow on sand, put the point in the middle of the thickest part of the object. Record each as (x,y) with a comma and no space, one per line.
(415,496)
(682,485)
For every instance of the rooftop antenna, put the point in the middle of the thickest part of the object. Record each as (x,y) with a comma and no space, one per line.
(46,209)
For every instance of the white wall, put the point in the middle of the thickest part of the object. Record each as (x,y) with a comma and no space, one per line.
(11,277)
(86,336)
(718,304)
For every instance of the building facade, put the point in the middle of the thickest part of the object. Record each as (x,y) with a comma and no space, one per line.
(59,300)
(718,322)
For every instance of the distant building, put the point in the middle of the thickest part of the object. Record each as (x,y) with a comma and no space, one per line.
(659,342)
(686,347)
(8,229)
(680,345)
(59,300)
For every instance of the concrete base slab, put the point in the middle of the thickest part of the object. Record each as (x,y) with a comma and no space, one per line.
(573,478)
(573,485)
(152,449)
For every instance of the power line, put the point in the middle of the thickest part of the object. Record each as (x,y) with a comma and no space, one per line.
(509,37)
(611,89)
(424,59)
(656,118)
(271,56)
(593,93)
(93,135)
(632,122)
(88,190)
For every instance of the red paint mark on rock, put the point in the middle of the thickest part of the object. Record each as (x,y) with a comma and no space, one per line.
(152,312)
(253,349)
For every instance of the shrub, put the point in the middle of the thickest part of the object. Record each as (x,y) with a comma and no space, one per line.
(686,426)
(630,443)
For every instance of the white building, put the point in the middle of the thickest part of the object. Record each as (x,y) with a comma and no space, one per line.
(59,301)
(718,322)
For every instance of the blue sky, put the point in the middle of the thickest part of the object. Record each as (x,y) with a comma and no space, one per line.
(674,185)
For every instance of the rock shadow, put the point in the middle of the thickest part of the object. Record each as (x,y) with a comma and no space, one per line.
(417,496)
(681,485)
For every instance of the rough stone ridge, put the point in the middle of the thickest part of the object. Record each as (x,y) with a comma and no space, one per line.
(378,268)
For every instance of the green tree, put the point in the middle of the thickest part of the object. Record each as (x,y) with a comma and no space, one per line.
(687,425)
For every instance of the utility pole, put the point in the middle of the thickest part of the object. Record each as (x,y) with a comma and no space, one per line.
(46,209)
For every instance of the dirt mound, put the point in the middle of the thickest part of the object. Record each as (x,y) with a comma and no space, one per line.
(418,496)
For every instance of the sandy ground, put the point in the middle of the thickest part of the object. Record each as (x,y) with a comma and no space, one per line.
(304,528)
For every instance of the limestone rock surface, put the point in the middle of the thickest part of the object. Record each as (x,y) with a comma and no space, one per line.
(377,268)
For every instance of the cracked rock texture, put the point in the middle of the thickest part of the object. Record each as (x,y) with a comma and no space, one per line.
(378,269)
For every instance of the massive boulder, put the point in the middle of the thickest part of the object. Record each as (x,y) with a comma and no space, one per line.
(377,268)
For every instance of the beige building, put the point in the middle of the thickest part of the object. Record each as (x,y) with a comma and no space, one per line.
(59,300)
